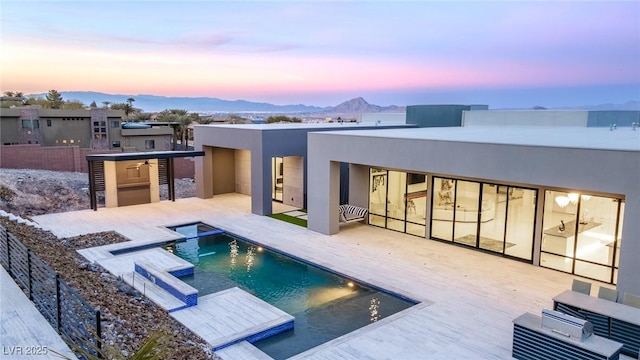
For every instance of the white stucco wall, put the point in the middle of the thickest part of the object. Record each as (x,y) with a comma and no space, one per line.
(588,160)
(293,189)
(243,171)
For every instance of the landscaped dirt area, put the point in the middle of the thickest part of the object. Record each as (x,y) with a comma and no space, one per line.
(27,192)
(128,317)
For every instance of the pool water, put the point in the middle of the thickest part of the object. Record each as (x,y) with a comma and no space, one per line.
(325,305)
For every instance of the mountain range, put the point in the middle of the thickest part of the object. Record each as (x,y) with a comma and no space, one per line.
(155,103)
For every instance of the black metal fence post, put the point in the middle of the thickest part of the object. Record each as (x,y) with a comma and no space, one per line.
(98,335)
(58,305)
(61,305)
(6,238)
(29,275)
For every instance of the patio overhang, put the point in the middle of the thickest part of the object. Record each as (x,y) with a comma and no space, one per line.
(133,178)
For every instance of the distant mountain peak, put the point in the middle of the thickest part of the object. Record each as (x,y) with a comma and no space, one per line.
(356,105)
(360,105)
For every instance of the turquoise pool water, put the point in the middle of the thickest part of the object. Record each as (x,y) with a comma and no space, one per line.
(324,304)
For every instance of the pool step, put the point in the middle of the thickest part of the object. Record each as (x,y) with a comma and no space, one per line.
(168,281)
(242,351)
(154,292)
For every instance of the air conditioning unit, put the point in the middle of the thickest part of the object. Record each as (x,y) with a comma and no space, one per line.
(567,325)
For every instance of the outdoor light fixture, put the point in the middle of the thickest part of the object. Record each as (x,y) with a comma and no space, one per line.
(138,165)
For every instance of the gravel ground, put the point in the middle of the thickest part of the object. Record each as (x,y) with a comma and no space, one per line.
(128,318)
(27,192)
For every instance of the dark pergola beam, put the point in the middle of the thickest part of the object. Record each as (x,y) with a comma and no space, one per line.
(171,180)
(93,200)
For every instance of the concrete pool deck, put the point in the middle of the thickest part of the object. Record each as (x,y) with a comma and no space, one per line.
(473,297)
(233,315)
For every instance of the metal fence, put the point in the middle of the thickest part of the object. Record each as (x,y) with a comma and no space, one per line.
(66,311)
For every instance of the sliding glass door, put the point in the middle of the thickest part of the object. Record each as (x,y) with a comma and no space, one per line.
(465,216)
(396,205)
(442,206)
(492,233)
(277,178)
(492,217)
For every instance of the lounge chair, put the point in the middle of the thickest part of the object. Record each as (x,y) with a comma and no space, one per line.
(352,213)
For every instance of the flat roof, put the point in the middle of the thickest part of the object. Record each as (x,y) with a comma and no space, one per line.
(17,111)
(623,138)
(310,126)
(143,155)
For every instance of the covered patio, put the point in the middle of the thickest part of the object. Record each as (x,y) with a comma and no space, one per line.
(133,178)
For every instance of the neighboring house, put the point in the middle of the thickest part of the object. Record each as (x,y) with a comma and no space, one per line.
(553,191)
(93,129)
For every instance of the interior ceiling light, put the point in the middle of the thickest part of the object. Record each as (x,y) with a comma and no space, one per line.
(573,197)
(562,201)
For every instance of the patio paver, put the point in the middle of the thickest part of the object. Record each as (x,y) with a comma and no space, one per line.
(231,315)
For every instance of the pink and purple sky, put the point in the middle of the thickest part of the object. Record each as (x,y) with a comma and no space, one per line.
(500,53)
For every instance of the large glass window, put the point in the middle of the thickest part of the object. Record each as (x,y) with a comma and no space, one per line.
(491,217)
(442,208)
(398,201)
(580,234)
(277,178)
(378,197)
(521,215)
(416,204)
(616,259)
(494,205)
(467,211)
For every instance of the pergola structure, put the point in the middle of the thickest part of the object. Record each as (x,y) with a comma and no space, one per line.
(133,178)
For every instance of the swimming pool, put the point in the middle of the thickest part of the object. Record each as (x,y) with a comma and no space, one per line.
(325,305)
